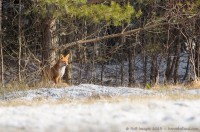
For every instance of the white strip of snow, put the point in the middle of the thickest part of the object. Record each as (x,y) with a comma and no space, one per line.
(125,115)
(114,117)
(88,90)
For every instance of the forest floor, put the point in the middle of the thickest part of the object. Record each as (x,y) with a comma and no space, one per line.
(89,107)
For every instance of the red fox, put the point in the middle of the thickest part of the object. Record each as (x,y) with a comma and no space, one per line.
(56,72)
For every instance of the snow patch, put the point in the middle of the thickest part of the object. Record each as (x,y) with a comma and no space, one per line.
(88,90)
(99,116)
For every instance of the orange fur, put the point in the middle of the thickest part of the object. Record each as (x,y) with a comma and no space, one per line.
(56,72)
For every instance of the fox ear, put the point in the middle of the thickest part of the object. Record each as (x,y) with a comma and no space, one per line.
(61,56)
(67,56)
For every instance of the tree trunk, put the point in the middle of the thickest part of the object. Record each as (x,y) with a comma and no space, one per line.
(123,39)
(192,61)
(154,70)
(168,67)
(1,46)
(172,64)
(121,72)
(20,42)
(93,78)
(197,57)
(168,59)
(49,41)
(197,48)
(102,71)
(171,69)
(187,70)
(176,67)
(144,56)
(80,59)
(177,58)
(145,59)
(130,65)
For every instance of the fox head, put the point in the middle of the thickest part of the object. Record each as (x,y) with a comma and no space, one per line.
(64,60)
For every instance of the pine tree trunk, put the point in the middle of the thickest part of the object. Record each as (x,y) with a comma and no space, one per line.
(49,40)
(49,54)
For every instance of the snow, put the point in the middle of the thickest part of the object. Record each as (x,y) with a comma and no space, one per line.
(88,90)
(123,115)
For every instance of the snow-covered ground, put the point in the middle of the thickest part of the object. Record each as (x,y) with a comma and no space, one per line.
(110,109)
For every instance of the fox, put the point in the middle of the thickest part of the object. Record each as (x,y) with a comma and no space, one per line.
(56,72)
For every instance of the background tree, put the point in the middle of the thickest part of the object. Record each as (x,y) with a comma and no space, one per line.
(110,42)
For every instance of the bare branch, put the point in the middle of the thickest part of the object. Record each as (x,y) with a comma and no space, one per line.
(108,36)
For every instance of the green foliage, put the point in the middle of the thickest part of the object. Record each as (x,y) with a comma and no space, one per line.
(148,86)
(139,13)
(189,7)
(197,2)
(111,13)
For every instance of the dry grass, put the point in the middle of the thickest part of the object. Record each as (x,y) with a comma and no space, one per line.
(94,99)
(190,85)
(15,86)
(49,84)
(168,86)
(193,85)
(34,102)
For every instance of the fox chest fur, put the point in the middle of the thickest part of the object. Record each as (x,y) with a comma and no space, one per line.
(58,70)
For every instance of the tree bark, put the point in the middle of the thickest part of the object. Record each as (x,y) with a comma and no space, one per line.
(49,40)
(130,64)
(197,47)
(187,69)
(154,70)
(1,46)
(123,40)
(176,66)
(177,58)
(19,41)
(69,69)
(197,57)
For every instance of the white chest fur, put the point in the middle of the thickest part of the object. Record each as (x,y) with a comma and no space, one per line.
(62,71)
